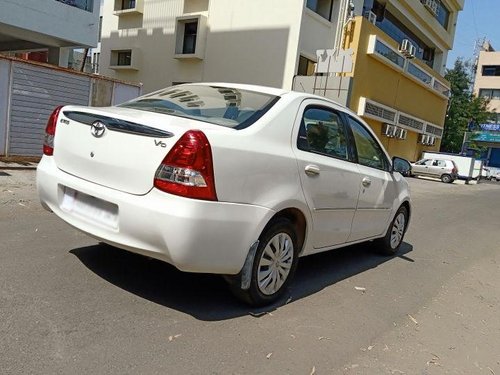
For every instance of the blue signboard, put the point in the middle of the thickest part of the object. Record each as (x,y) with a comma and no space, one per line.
(490,127)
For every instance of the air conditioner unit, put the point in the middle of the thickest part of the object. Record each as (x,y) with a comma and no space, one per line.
(389,130)
(370,16)
(401,133)
(431,6)
(407,49)
(431,141)
(423,139)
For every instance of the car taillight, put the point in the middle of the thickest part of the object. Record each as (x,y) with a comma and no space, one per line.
(187,170)
(50,132)
(454,170)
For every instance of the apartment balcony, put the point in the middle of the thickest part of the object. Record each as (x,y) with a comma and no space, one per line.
(86,5)
(29,25)
(402,61)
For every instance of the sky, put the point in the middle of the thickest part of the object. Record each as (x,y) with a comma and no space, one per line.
(479,19)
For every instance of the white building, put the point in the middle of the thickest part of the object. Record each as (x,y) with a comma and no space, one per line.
(52,26)
(160,43)
(487,82)
(487,85)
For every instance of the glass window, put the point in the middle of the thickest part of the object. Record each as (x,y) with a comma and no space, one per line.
(306,67)
(322,7)
(323,132)
(443,15)
(128,4)
(190,31)
(388,23)
(491,70)
(369,151)
(124,58)
(224,106)
(440,163)
(424,162)
(490,93)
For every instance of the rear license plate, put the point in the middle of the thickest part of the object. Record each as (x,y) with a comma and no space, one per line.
(91,208)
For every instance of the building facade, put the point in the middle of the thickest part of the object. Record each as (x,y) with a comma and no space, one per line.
(393,75)
(160,43)
(48,30)
(487,85)
(400,53)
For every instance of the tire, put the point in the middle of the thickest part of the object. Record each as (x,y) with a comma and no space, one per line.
(391,242)
(278,237)
(447,179)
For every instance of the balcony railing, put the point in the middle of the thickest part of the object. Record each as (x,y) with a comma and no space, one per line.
(385,53)
(81,4)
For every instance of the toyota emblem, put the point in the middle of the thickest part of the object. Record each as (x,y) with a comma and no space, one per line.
(97,129)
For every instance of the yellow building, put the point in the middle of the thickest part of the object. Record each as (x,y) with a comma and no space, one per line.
(400,50)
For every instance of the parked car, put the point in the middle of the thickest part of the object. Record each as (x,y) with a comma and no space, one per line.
(444,169)
(495,176)
(235,180)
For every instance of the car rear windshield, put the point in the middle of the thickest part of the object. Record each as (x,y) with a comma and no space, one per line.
(225,106)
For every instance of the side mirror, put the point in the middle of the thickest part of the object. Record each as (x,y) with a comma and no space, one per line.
(401,165)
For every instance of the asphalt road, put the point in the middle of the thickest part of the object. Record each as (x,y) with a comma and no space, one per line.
(69,305)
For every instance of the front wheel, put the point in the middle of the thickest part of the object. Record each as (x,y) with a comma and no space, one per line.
(273,267)
(390,243)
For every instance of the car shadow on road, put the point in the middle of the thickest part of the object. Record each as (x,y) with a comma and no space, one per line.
(207,297)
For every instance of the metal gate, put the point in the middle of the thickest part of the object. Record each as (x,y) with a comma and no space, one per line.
(36,91)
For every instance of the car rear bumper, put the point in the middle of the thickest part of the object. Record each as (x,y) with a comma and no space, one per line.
(193,235)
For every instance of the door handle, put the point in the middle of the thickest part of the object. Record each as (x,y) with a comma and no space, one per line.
(366,182)
(311,170)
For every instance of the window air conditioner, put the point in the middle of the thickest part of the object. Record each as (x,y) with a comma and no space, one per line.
(423,139)
(431,6)
(401,133)
(370,16)
(407,49)
(389,130)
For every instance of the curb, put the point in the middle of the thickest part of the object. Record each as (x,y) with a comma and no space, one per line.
(16,166)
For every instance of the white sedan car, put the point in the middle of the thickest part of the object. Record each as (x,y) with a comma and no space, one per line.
(236,180)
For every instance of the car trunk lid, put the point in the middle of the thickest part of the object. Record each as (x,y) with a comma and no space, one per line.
(118,148)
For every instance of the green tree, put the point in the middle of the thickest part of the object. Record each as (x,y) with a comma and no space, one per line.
(463,107)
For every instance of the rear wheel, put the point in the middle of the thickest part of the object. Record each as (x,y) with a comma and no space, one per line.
(390,243)
(446,178)
(273,267)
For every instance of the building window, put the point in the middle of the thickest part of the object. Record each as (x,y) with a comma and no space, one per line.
(190,37)
(306,67)
(124,58)
(389,24)
(82,4)
(490,93)
(95,63)
(491,70)
(322,7)
(128,4)
(189,40)
(443,15)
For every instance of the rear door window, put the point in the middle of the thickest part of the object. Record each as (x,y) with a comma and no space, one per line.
(323,132)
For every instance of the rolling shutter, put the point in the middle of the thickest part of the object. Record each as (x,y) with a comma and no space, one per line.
(36,91)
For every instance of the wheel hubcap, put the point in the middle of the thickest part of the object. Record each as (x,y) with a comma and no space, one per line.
(397,231)
(275,264)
